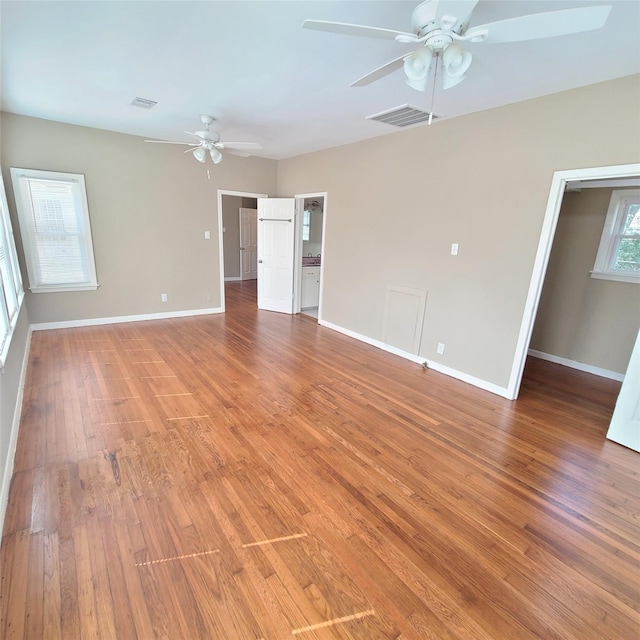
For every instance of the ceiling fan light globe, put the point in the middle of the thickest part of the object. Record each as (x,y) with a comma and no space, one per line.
(416,67)
(449,81)
(455,60)
(216,156)
(200,154)
(418,85)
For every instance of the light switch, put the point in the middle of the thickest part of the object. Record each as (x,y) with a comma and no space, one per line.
(454,249)
(207,235)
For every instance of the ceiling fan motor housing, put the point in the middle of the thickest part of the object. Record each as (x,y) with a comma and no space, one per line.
(423,18)
(438,40)
(209,136)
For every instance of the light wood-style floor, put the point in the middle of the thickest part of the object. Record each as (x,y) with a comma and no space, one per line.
(254,475)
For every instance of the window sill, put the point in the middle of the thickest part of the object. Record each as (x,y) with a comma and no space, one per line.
(64,289)
(617,277)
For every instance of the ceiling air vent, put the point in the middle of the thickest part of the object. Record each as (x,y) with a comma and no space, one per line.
(403,116)
(143,103)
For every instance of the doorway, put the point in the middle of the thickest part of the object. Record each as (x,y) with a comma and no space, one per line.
(233,267)
(554,203)
(310,239)
(311,230)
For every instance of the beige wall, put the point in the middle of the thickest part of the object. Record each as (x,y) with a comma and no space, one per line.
(149,207)
(231,224)
(580,318)
(397,202)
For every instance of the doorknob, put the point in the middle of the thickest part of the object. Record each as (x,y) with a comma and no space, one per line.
(260,261)
(241,248)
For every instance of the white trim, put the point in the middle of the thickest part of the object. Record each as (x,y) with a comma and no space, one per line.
(233,279)
(13,438)
(89,322)
(436,366)
(227,192)
(26,222)
(63,289)
(580,366)
(616,276)
(554,202)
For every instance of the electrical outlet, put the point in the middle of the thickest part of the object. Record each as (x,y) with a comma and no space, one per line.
(440,349)
(164,297)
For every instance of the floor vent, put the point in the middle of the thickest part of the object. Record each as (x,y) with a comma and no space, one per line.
(404,116)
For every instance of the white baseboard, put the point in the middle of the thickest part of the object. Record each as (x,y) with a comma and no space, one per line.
(66,324)
(233,279)
(581,366)
(13,438)
(436,366)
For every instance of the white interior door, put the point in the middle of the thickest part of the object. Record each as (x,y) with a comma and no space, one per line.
(276,225)
(625,423)
(248,244)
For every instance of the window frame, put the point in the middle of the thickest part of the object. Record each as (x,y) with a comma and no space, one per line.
(609,240)
(7,239)
(25,217)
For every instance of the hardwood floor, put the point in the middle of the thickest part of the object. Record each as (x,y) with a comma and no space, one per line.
(254,475)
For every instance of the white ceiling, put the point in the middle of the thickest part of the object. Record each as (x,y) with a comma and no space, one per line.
(263,77)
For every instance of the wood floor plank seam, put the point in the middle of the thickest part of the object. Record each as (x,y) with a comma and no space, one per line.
(329,623)
(185,556)
(210,552)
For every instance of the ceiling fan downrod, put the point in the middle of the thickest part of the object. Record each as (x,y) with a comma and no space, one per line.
(436,55)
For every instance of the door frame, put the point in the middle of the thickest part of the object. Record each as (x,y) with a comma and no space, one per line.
(227,192)
(297,272)
(549,224)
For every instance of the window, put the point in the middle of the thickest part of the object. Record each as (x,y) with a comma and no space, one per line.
(618,255)
(11,292)
(306,225)
(54,221)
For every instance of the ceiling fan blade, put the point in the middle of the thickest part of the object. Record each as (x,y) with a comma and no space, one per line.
(380,72)
(169,142)
(357,30)
(238,145)
(544,25)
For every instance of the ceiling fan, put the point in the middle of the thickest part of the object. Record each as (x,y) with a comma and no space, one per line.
(440,25)
(208,143)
